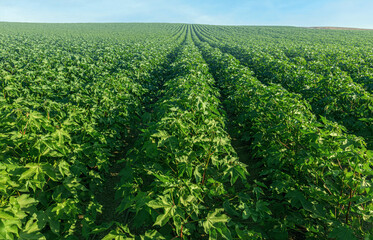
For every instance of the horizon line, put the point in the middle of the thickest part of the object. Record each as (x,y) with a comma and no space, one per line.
(325,27)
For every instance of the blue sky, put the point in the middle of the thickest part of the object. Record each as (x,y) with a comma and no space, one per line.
(347,13)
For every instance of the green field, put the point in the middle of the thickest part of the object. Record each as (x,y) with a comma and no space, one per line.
(180,131)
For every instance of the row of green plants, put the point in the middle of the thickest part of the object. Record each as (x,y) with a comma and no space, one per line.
(326,57)
(297,41)
(326,51)
(67,104)
(332,94)
(352,62)
(314,179)
(182,177)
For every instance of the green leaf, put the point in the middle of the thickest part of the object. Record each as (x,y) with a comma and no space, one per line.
(9,228)
(32,170)
(54,225)
(162,178)
(224,231)
(64,168)
(31,236)
(261,207)
(162,202)
(342,233)
(150,149)
(101,228)
(247,235)
(7,215)
(113,235)
(31,228)
(297,199)
(162,219)
(121,233)
(61,134)
(213,218)
(25,201)
(4,232)
(49,170)
(236,172)
(53,221)
(152,234)
(198,173)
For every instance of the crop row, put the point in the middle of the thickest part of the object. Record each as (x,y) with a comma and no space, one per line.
(326,53)
(334,96)
(65,108)
(327,57)
(180,176)
(348,62)
(314,180)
